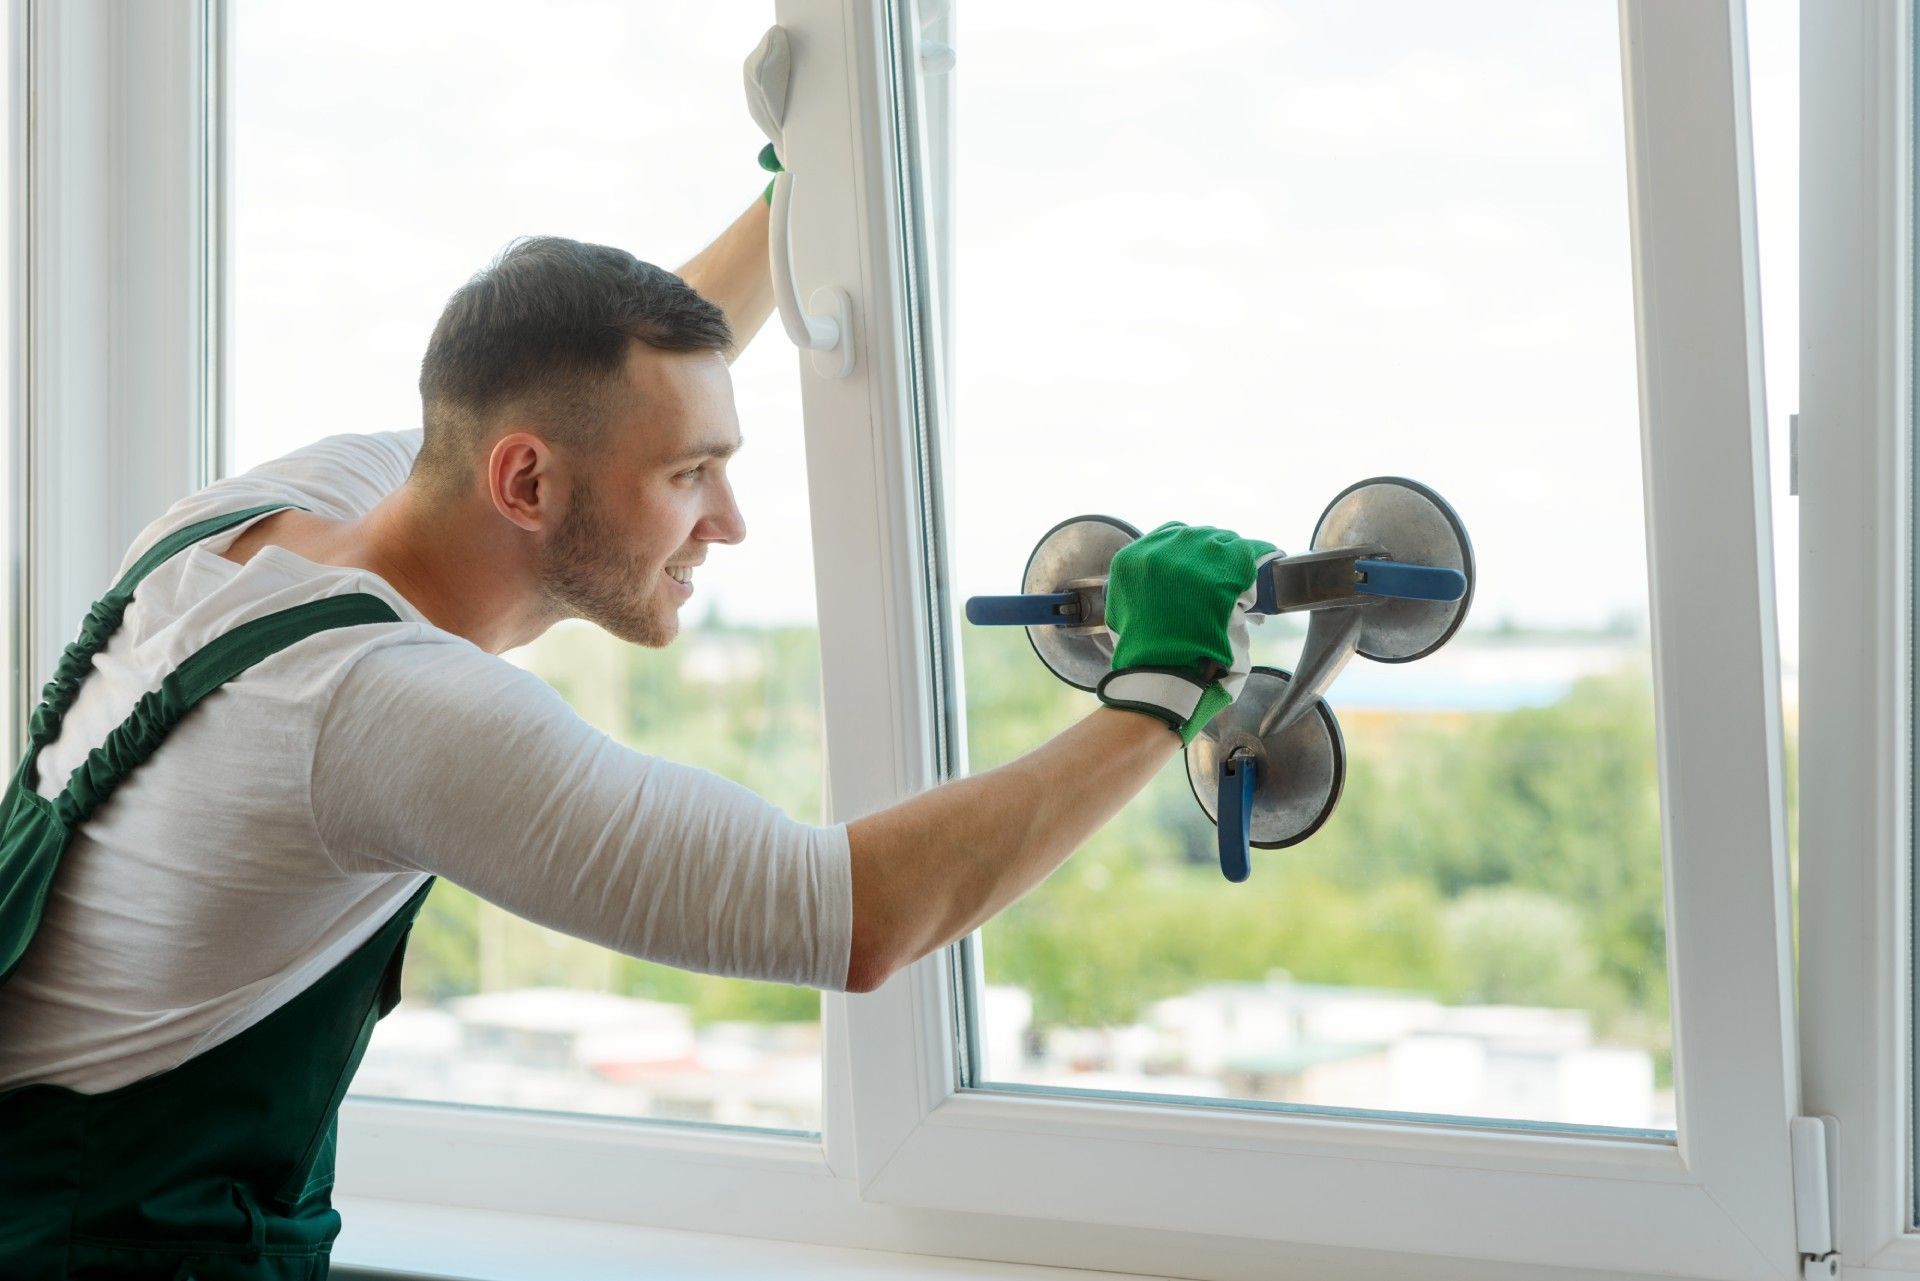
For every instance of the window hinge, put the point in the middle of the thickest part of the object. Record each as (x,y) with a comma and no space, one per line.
(1812,1140)
(1793,454)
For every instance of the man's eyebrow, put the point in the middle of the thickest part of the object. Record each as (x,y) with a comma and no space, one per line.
(713,449)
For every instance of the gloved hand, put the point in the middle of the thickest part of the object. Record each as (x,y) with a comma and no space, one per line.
(769,161)
(1177,602)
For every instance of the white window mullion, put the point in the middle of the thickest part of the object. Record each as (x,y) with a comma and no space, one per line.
(69,403)
(1856,575)
(901,1039)
(14,507)
(879,702)
(116,262)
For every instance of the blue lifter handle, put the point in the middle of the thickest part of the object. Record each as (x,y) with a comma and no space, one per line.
(1238,775)
(1409,582)
(1053,609)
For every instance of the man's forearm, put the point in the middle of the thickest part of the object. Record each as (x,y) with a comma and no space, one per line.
(733,274)
(936,866)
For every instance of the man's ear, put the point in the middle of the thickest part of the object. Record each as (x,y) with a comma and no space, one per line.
(521,481)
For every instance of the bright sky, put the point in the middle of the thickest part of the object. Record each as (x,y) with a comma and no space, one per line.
(1201,278)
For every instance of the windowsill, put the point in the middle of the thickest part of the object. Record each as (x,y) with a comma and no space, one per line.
(395,1239)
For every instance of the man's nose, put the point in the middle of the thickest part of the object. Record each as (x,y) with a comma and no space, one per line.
(725,524)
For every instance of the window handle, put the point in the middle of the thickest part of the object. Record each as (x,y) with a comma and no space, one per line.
(826,330)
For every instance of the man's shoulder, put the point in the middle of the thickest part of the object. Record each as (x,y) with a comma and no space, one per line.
(423,684)
(423,666)
(340,477)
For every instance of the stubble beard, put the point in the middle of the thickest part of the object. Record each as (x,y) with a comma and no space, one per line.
(582,572)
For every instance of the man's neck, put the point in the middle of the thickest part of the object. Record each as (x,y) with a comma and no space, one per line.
(462,567)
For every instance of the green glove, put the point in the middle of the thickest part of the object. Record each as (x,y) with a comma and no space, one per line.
(1177,602)
(771,163)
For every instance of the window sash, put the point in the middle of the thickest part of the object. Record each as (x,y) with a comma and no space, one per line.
(1717,1203)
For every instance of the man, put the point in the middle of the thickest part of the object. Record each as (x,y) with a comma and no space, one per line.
(289,717)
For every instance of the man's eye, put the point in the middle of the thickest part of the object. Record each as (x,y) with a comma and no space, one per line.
(695,472)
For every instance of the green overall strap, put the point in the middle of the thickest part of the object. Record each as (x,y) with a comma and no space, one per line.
(158,711)
(31,847)
(102,621)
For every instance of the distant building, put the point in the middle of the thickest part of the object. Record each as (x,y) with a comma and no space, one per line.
(1300,1043)
(556,1027)
(1344,1047)
(563,1049)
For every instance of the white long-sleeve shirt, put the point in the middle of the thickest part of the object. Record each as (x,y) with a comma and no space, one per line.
(296,808)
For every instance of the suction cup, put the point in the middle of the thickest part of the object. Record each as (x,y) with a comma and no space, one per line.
(1415,526)
(1075,555)
(1299,771)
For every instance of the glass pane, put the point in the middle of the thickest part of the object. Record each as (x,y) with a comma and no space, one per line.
(383,154)
(1349,241)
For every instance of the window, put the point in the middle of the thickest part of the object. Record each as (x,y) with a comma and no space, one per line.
(354,216)
(928,1123)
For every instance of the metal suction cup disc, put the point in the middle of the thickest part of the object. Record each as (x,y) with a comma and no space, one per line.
(1416,526)
(1074,551)
(1302,768)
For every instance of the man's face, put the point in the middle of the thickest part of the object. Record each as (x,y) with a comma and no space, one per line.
(651,502)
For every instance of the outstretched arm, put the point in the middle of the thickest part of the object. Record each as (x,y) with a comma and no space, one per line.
(732,273)
(937,866)
(435,757)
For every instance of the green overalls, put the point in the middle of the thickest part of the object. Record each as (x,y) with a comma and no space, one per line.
(221,1167)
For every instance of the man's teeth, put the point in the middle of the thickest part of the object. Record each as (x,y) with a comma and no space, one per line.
(681,573)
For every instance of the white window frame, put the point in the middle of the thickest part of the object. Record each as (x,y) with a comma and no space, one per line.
(14,509)
(909,1161)
(113,410)
(1856,600)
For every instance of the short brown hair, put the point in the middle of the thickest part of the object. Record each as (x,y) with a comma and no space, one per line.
(544,331)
